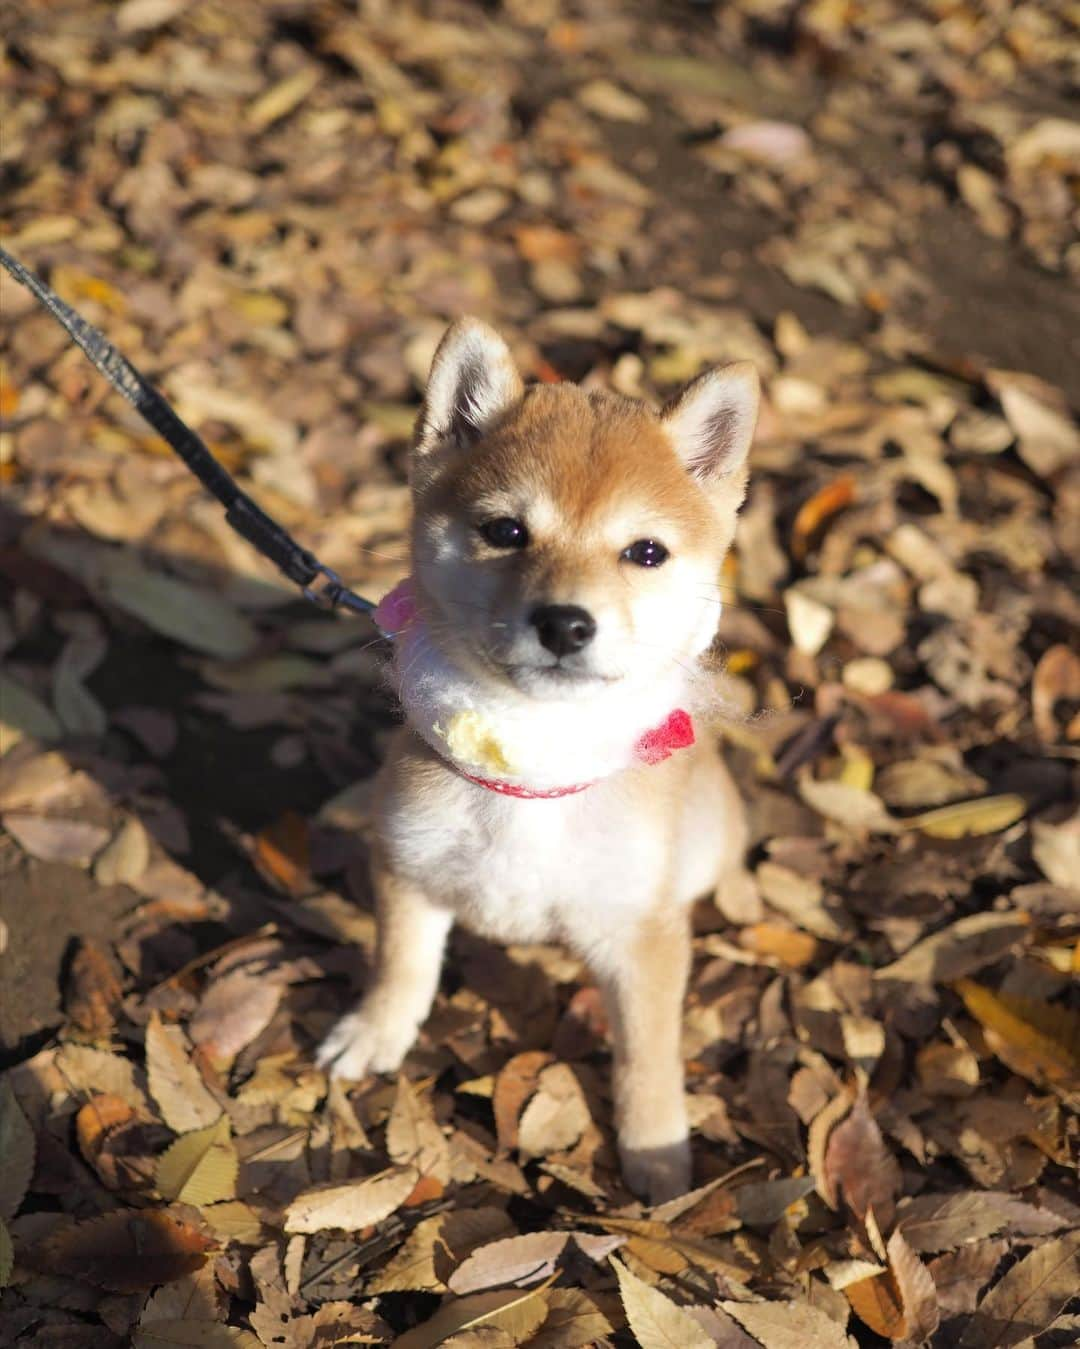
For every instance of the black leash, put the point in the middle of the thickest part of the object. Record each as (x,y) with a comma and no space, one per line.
(247,518)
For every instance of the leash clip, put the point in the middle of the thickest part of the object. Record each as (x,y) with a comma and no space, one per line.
(333,593)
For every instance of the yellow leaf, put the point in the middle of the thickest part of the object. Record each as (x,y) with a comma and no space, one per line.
(987,815)
(201,1167)
(1040,1040)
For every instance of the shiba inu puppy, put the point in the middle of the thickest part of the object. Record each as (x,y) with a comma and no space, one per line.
(549,783)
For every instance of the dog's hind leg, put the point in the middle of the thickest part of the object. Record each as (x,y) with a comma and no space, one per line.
(643,987)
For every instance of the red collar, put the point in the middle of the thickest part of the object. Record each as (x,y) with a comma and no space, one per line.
(675,732)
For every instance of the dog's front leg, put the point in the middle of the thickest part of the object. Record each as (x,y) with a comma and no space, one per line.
(410,940)
(644,986)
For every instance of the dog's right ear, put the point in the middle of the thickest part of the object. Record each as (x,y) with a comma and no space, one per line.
(473,381)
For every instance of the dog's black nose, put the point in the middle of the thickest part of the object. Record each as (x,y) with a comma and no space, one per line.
(563,628)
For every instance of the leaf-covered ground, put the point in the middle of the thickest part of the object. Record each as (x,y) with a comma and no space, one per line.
(274,208)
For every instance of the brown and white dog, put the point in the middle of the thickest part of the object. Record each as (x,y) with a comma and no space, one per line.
(549,653)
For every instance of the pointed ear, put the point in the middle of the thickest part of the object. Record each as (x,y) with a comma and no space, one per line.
(473,381)
(711,423)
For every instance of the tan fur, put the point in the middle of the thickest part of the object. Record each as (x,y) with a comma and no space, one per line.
(613,870)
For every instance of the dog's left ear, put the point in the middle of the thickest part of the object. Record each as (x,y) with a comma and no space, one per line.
(473,382)
(711,423)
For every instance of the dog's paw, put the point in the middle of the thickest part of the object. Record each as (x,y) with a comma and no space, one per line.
(657,1174)
(362,1043)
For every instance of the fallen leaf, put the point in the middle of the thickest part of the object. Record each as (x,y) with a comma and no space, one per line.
(93,993)
(233,1010)
(572,1322)
(22,713)
(1039,1039)
(859,1166)
(175,1082)
(73,842)
(514,1085)
(900,1303)
(125,1251)
(657,1322)
(1056,679)
(849,806)
(17,1148)
(783,944)
(200,1167)
(556,1116)
(282,854)
(125,859)
(814,512)
(519,1314)
(789,1325)
(195,618)
(941,1222)
(522,1260)
(7,1255)
(413,1136)
(964,946)
(1030,1295)
(966,819)
(353,1206)
(283,98)
(1056,850)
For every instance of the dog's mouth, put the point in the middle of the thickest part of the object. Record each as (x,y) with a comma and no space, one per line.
(533,678)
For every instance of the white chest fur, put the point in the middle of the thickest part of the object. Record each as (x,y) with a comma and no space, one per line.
(577,869)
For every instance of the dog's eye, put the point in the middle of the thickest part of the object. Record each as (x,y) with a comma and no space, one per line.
(646,553)
(504,532)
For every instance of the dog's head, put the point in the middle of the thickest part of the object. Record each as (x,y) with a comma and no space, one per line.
(566,540)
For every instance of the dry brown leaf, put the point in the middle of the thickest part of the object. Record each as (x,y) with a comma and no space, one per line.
(233,1010)
(1056,850)
(657,1322)
(819,508)
(282,854)
(966,945)
(941,1222)
(201,1167)
(556,1116)
(73,842)
(519,1314)
(961,1276)
(789,1325)
(573,1321)
(514,1085)
(900,1303)
(85,1069)
(175,1082)
(849,806)
(860,1167)
(523,1260)
(17,1148)
(1031,1294)
(1056,679)
(352,1206)
(125,859)
(413,1137)
(125,1251)
(93,993)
